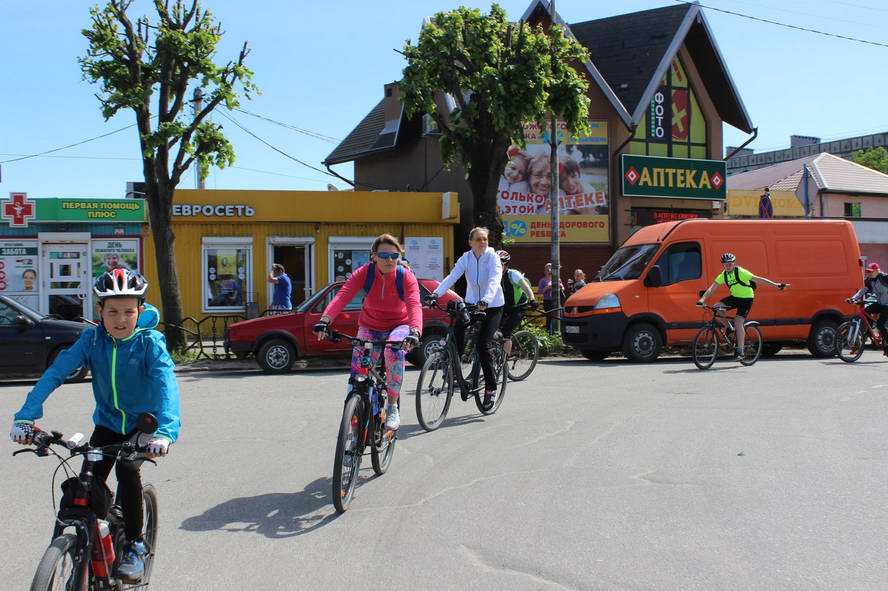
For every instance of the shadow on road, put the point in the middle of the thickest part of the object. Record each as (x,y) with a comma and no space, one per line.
(410,431)
(273,515)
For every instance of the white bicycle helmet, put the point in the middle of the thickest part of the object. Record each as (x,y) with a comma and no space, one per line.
(118,283)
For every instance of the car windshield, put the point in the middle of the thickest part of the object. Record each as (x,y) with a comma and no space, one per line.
(20,308)
(310,302)
(628,262)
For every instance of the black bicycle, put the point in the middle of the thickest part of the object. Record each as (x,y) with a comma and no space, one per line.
(363,423)
(446,369)
(88,537)
(717,337)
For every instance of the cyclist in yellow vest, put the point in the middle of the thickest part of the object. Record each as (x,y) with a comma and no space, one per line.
(518,293)
(742,284)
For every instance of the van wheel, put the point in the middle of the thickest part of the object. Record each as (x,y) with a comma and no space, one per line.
(595,355)
(771,349)
(822,340)
(276,356)
(642,343)
(430,342)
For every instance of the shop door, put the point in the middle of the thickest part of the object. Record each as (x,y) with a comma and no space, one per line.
(296,259)
(65,268)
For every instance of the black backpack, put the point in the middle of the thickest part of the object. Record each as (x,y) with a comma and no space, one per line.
(737,279)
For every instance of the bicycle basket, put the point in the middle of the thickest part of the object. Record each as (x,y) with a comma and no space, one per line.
(74,503)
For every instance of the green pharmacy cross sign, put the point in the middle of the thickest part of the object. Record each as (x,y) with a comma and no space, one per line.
(681,178)
(18,211)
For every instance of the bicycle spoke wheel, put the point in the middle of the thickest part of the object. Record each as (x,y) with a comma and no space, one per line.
(348,454)
(58,565)
(501,372)
(850,341)
(434,390)
(524,356)
(149,499)
(705,348)
(382,448)
(752,346)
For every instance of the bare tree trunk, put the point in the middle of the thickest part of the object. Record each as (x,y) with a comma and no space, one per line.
(171,300)
(484,180)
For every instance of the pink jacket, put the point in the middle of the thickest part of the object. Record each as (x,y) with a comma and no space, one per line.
(382,308)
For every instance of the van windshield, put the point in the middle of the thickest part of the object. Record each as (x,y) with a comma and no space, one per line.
(628,262)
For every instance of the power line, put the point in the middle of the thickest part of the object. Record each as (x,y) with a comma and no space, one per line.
(98,137)
(309,133)
(301,178)
(76,157)
(788,26)
(834,19)
(276,149)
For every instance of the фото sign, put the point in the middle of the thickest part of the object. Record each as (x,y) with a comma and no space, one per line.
(681,178)
(18,210)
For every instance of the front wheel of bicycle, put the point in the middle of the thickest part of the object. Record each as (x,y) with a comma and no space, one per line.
(524,356)
(434,390)
(752,346)
(347,462)
(705,347)
(382,448)
(850,341)
(58,566)
(149,499)
(501,373)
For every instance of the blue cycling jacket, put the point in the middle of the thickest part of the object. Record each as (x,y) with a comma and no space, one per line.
(129,376)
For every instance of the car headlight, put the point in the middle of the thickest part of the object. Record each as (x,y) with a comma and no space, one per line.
(609,300)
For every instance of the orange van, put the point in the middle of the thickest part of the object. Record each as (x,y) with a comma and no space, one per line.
(645,295)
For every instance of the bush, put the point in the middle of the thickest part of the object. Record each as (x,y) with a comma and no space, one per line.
(549,344)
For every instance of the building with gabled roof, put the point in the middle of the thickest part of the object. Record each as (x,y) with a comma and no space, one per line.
(659,88)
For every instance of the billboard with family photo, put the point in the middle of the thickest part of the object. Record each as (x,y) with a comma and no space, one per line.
(523,191)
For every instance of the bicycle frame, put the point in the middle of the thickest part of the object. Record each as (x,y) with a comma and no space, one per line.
(868,322)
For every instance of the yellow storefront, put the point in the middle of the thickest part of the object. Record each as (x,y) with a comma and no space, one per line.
(227,240)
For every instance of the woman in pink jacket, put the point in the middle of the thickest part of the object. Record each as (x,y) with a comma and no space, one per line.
(391,312)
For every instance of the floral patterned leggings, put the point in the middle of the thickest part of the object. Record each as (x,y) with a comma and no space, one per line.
(394,360)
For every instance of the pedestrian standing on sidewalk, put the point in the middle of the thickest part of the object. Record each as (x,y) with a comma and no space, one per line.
(766,208)
(283,289)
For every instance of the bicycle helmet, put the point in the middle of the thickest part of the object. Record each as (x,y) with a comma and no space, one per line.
(728,258)
(118,283)
(504,256)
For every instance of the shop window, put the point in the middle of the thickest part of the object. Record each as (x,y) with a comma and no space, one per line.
(674,124)
(347,255)
(227,269)
(852,210)
(681,262)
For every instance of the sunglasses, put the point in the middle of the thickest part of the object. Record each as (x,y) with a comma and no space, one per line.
(388,256)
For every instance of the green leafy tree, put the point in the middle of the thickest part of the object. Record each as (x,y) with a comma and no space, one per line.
(875,158)
(151,68)
(500,75)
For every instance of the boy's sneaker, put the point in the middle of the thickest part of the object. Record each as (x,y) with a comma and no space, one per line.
(132,563)
(392,417)
(738,354)
(490,398)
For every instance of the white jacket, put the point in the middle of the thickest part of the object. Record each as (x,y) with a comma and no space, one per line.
(483,278)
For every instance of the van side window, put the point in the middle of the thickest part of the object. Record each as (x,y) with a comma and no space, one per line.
(682,262)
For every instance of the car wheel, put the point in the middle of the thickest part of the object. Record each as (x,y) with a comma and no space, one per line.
(595,355)
(276,356)
(430,342)
(822,340)
(642,343)
(78,375)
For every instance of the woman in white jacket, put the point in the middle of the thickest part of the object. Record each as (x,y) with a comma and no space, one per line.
(484,272)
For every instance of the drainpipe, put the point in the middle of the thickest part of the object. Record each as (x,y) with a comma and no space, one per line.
(619,180)
(755,132)
(807,199)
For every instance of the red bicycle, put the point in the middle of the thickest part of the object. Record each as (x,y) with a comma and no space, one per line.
(852,335)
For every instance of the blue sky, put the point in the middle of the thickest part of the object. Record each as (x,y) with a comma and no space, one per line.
(322,65)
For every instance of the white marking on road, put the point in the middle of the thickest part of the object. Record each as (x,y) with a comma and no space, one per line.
(570,425)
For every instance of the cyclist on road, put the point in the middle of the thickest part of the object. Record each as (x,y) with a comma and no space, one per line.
(391,311)
(876,283)
(517,294)
(132,373)
(484,273)
(742,285)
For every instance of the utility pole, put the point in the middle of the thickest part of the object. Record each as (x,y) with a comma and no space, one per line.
(553,196)
(198,106)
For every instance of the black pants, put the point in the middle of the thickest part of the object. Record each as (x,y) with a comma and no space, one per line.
(129,480)
(512,318)
(488,325)
(882,323)
(550,316)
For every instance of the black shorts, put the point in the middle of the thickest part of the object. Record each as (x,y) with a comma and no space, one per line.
(511,320)
(743,305)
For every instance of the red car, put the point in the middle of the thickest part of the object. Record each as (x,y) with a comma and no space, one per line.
(277,341)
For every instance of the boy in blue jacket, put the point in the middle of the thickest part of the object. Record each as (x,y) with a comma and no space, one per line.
(132,373)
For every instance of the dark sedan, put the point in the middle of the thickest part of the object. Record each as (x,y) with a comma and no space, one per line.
(29,341)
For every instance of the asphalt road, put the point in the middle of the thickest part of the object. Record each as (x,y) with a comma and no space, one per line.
(591,476)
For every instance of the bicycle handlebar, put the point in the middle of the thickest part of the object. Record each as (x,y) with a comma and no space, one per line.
(42,441)
(335,336)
